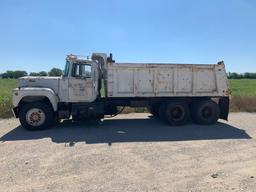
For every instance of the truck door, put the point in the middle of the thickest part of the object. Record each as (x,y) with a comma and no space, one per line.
(82,83)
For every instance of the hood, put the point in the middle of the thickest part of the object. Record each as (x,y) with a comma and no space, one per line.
(46,82)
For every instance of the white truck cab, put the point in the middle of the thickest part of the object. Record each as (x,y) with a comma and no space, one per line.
(79,81)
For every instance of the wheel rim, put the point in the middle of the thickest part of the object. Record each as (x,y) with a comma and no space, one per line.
(206,112)
(35,117)
(177,113)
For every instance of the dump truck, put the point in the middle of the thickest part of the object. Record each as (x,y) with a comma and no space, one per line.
(99,87)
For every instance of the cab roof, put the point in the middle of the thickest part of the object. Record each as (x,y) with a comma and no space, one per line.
(78,58)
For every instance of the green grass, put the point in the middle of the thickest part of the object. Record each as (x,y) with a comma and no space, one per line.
(243,87)
(243,95)
(6,86)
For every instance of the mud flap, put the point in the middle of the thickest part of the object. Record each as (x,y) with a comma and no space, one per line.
(16,111)
(224,107)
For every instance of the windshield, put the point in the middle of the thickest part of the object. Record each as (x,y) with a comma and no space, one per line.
(66,70)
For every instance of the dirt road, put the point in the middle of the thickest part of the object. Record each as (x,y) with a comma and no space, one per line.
(130,153)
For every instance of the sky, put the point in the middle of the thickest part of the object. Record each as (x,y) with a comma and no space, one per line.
(37,35)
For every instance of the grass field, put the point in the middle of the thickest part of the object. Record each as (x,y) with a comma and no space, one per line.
(6,86)
(243,96)
(243,87)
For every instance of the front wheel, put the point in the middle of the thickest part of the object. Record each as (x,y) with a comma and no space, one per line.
(36,116)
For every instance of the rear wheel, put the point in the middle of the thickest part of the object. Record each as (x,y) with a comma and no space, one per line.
(174,113)
(205,112)
(36,116)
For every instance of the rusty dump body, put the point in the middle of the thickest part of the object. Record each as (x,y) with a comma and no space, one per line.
(166,80)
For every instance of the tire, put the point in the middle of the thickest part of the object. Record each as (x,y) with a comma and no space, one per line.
(174,113)
(36,116)
(56,121)
(205,112)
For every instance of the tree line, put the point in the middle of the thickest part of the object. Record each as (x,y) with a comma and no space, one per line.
(241,75)
(17,74)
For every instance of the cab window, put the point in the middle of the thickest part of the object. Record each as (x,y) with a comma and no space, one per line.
(82,70)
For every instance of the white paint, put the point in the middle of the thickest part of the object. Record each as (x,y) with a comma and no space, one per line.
(165,80)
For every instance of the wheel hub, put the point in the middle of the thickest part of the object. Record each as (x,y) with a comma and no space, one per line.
(207,112)
(35,117)
(176,113)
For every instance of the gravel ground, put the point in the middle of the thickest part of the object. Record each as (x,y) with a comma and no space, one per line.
(131,152)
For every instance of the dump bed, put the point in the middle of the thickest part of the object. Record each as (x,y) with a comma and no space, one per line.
(166,80)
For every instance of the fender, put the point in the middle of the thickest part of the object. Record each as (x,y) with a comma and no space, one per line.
(20,93)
